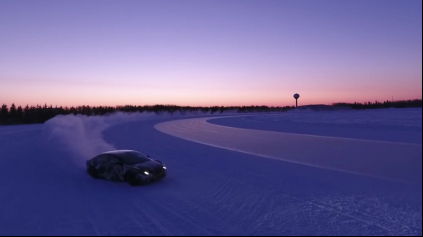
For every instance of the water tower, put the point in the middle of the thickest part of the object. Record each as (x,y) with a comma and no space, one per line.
(296,96)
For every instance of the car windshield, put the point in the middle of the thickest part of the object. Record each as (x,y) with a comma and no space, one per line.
(132,158)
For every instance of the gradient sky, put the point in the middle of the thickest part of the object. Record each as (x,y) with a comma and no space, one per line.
(209,52)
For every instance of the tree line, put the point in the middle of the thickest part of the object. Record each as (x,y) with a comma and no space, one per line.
(40,114)
(383,105)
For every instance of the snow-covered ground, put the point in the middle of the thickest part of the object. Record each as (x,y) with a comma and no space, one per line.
(44,189)
(396,125)
(397,161)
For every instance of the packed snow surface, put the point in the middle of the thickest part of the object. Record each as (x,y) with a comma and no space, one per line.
(217,189)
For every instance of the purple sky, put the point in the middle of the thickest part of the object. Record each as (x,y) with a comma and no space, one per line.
(209,52)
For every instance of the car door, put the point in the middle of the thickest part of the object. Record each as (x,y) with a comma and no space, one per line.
(114,169)
(102,165)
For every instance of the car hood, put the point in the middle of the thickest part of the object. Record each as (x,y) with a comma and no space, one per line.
(153,165)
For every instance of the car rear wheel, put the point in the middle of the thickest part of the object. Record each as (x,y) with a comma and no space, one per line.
(92,172)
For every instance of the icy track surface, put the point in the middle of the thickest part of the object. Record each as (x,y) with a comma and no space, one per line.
(44,189)
(388,160)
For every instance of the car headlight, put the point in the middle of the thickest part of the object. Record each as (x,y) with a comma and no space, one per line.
(146,173)
(164,167)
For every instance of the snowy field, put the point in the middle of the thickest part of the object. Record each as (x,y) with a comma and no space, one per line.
(396,125)
(44,189)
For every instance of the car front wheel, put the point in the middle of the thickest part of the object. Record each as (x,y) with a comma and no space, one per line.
(134,179)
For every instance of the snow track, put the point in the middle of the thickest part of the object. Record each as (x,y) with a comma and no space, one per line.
(208,191)
(389,160)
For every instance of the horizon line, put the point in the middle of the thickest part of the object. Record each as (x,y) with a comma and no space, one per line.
(251,105)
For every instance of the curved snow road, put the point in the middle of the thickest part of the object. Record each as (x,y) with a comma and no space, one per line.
(387,160)
(208,191)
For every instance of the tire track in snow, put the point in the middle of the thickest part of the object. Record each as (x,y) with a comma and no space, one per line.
(175,215)
(188,219)
(150,217)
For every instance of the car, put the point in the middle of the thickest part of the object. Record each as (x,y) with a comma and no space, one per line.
(128,166)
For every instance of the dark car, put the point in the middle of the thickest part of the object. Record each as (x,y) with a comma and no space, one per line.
(128,166)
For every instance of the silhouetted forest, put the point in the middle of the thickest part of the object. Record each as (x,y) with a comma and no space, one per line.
(40,114)
(384,105)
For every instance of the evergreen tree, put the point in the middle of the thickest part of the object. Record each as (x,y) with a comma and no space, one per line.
(19,115)
(13,113)
(27,115)
(4,114)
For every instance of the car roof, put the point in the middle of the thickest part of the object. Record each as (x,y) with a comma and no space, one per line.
(128,157)
(122,153)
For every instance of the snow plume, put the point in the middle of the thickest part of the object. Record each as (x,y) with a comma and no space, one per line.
(82,135)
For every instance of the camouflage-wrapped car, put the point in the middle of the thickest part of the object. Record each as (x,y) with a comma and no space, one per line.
(128,166)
